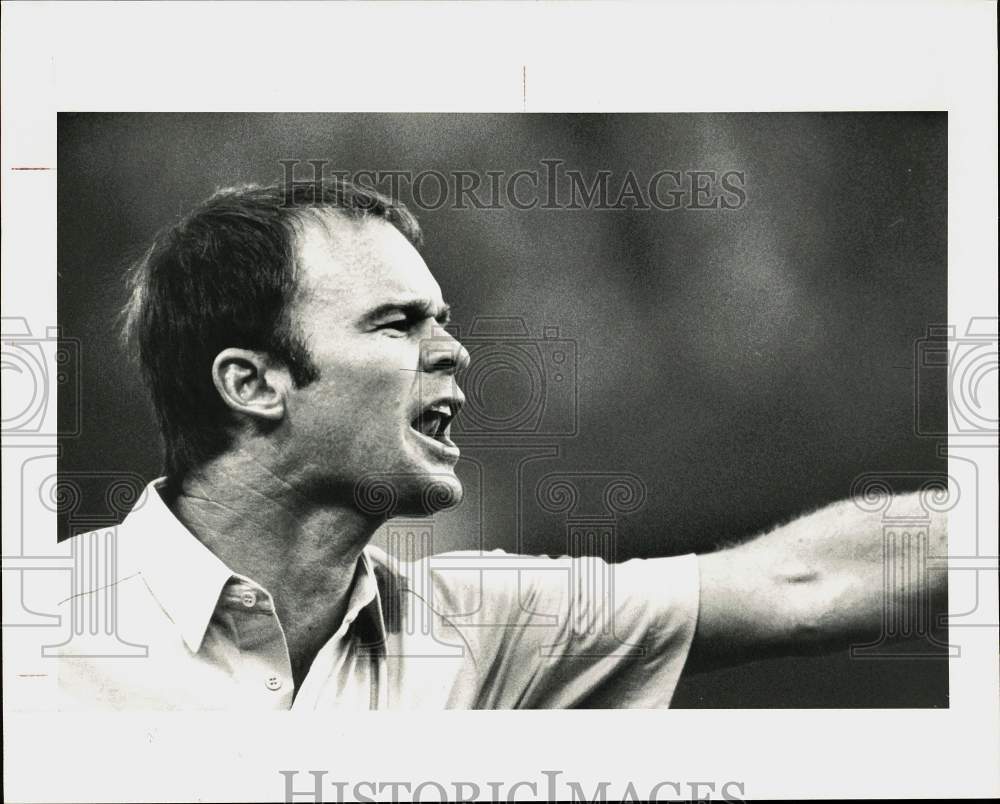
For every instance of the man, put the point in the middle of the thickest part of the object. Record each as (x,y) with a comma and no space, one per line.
(294,346)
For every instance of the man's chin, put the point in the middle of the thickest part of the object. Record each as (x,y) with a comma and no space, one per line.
(437,492)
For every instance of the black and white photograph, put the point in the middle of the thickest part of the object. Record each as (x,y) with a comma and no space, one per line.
(342,415)
(615,341)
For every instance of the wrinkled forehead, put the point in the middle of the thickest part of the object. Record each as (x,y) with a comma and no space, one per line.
(356,264)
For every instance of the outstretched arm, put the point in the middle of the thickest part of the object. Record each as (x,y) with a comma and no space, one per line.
(819,583)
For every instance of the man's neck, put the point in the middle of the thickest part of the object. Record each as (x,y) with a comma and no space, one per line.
(302,552)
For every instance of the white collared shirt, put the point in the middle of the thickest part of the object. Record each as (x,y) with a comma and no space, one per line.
(466,630)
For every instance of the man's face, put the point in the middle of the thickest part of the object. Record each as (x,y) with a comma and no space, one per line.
(372,318)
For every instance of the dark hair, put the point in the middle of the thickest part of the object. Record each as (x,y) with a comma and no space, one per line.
(225,276)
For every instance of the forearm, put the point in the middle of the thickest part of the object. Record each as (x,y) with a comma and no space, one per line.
(846,570)
(826,580)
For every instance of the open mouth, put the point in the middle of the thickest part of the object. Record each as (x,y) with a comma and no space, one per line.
(434,423)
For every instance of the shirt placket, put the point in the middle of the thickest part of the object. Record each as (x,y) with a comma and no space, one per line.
(351,662)
(265,669)
(370,645)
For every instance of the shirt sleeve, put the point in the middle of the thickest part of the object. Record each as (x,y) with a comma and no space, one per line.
(583,633)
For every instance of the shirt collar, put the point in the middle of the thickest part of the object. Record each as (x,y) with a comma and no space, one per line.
(383,614)
(187,578)
(364,591)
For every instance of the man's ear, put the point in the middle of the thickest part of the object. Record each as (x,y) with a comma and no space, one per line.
(250,383)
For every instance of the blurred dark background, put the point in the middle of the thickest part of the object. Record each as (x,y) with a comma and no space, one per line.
(746,364)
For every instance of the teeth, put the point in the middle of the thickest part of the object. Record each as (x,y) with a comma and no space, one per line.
(433,422)
(430,424)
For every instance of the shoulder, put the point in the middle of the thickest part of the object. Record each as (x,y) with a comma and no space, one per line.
(492,582)
(464,584)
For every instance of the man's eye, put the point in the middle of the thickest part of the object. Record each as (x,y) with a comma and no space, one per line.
(400,325)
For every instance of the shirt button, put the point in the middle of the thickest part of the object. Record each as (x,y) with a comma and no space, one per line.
(249,599)
(273,683)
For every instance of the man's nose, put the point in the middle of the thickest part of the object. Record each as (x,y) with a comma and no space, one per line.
(444,353)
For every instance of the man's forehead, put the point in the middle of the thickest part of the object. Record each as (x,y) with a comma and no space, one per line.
(360,260)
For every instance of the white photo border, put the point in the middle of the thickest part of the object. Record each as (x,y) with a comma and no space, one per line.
(510,57)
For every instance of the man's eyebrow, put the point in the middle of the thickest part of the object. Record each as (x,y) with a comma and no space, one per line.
(412,308)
